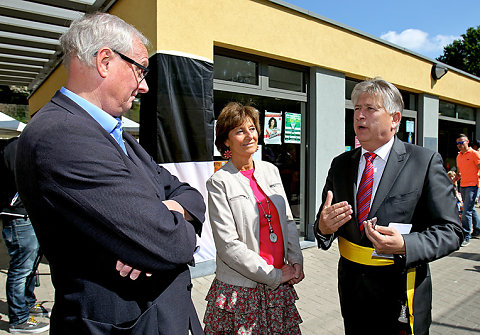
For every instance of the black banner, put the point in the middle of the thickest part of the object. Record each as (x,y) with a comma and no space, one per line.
(176,115)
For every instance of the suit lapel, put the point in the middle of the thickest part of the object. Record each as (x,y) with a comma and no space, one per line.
(132,151)
(395,163)
(351,174)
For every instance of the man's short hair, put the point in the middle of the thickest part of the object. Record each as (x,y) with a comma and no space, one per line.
(462,135)
(91,32)
(390,95)
(382,89)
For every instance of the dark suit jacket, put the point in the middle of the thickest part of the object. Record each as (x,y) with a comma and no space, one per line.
(92,205)
(415,189)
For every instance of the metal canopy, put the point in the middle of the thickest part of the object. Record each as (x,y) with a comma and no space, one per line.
(29,33)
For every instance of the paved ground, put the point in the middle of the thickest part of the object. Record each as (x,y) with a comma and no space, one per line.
(456,296)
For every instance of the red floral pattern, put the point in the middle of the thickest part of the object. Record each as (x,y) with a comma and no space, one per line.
(251,311)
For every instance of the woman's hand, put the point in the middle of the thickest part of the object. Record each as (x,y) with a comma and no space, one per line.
(288,273)
(299,275)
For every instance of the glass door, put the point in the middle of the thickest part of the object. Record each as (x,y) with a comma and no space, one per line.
(283,149)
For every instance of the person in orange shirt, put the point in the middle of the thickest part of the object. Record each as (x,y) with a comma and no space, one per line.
(468,166)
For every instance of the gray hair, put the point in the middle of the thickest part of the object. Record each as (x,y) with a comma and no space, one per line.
(89,33)
(379,88)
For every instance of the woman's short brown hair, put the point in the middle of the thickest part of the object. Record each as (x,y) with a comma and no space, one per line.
(234,114)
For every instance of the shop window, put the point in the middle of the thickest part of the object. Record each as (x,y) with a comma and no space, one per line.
(278,91)
(447,135)
(456,111)
(285,79)
(349,131)
(349,85)
(236,70)
(465,113)
(284,151)
(406,131)
(409,100)
(447,109)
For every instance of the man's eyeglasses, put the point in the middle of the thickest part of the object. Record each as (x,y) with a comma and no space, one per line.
(144,69)
(461,142)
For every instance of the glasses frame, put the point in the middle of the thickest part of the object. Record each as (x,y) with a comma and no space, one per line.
(131,61)
(461,142)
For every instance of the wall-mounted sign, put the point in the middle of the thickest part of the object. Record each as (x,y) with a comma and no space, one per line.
(293,125)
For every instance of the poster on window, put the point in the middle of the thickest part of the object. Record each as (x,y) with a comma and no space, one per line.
(293,124)
(272,133)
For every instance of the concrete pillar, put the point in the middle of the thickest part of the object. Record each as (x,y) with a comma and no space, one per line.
(326,120)
(428,106)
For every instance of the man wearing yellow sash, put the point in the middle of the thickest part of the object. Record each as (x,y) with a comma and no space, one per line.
(393,209)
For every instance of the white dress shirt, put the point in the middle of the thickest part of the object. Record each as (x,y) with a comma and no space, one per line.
(378,166)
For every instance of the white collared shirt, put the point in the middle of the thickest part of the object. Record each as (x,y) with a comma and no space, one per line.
(378,166)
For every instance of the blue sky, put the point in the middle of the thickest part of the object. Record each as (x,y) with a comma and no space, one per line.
(423,26)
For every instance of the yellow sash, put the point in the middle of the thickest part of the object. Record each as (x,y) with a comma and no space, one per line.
(363,255)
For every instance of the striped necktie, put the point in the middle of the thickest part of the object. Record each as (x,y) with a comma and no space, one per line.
(364,193)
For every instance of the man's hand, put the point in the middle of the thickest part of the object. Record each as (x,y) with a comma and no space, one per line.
(458,175)
(334,216)
(385,240)
(299,275)
(172,205)
(125,269)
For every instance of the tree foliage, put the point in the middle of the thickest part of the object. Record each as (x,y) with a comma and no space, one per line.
(464,53)
(14,102)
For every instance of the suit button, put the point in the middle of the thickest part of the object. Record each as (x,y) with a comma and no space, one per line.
(189,287)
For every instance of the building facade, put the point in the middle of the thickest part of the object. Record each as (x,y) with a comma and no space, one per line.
(296,68)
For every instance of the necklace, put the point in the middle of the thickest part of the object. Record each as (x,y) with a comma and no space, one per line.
(273,236)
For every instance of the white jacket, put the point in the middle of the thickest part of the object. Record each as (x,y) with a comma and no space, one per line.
(234,217)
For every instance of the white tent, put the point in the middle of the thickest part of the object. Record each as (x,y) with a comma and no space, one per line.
(131,126)
(9,127)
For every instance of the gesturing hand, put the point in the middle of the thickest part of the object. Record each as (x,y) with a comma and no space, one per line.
(334,216)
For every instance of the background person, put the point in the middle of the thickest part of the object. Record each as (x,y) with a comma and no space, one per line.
(258,251)
(23,249)
(468,168)
(99,203)
(475,145)
(389,181)
(452,176)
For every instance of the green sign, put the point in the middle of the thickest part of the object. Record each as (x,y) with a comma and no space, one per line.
(293,125)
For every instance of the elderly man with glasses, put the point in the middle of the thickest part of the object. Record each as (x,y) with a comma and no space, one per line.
(468,166)
(118,230)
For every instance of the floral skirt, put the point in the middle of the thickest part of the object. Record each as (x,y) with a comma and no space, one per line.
(253,311)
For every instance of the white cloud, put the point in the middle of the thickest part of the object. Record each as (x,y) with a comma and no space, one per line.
(419,41)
